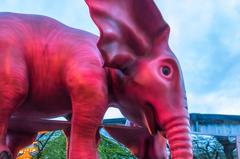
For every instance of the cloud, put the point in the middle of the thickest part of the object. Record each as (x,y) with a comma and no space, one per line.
(205,36)
(218,102)
(224,100)
(73,13)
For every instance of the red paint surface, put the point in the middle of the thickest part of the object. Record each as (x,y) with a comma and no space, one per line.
(49,69)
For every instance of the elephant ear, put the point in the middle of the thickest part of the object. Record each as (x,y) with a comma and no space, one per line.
(128,29)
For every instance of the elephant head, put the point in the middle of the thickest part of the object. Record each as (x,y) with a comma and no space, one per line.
(146,79)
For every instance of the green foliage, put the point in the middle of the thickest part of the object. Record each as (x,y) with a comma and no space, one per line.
(110,149)
(207,147)
(56,148)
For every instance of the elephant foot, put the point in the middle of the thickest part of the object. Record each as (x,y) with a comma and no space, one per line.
(5,152)
(5,155)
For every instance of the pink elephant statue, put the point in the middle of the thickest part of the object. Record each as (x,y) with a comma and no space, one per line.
(49,69)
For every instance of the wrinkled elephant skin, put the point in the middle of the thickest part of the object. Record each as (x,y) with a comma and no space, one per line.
(49,69)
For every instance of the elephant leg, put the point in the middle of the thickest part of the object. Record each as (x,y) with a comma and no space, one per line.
(160,146)
(155,147)
(67,133)
(18,140)
(13,90)
(89,103)
(85,123)
(5,155)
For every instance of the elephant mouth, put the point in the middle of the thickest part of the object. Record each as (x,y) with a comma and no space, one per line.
(150,119)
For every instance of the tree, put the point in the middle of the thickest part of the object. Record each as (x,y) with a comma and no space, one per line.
(207,147)
(54,148)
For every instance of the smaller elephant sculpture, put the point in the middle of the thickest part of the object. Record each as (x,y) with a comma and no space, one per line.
(49,69)
(139,141)
(23,131)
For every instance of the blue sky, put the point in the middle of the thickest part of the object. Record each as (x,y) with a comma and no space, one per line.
(205,36)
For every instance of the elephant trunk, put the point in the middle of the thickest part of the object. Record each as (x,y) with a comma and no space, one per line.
(178,135)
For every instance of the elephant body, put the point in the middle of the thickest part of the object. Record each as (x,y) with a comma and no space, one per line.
(47,70)
(41,53)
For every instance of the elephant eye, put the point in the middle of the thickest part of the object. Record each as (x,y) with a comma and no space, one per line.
(166,70)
